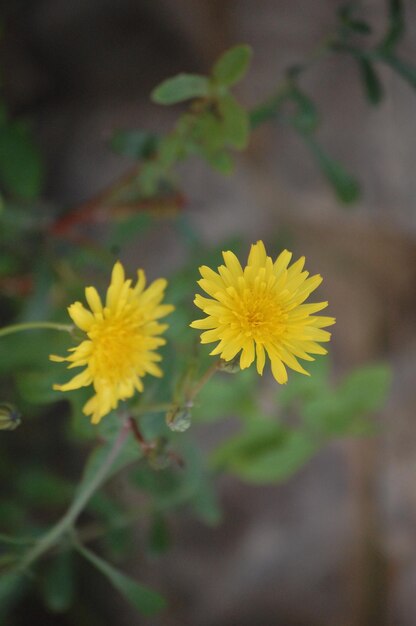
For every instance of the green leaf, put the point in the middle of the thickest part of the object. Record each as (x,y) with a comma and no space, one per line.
(396,26)
(265,452)
(300,388)
(345,410)
(144,600)
(371,81)
(366,389)
(171,149)
(138,144)
(21,170)
(181,87)
(208,133)
(235,122)
(345,186)
(232,65)
(58,583)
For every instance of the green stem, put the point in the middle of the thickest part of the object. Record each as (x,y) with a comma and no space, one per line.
(52,537)
(206,376)
(17,328)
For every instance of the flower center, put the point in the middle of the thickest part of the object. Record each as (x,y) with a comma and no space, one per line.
(117,345)
(259,316)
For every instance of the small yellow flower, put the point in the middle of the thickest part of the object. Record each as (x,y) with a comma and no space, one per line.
(259,310)
(121,339)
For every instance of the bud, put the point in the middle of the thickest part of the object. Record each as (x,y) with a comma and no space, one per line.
(179,418)
(230,367)
(9,416)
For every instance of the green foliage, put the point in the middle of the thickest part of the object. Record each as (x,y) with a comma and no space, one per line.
(138,144)
(187,485)
(144,600)
(232,65)
(268,450)
(235,122)
(265,452)
(179,88)
(167,467)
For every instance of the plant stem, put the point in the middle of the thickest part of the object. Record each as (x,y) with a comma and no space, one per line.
(206,376)
(17,328)
(66,522)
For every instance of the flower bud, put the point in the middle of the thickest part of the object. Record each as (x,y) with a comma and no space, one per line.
(9,417)
(178,418)
(230,367)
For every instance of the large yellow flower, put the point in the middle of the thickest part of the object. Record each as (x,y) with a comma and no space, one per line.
(120,343)
(259,310)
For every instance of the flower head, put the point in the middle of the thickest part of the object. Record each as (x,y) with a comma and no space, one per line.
(260,310)
(121,338)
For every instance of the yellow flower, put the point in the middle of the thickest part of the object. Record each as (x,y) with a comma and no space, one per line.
(259,310)
(121,339)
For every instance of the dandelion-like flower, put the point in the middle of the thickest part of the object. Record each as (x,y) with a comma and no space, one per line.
(121,338)
(260,310)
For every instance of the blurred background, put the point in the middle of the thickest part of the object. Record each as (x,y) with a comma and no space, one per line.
(336,544)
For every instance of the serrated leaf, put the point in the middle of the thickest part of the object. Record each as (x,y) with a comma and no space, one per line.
(232,65)
(179,88)
(144,600)
(21,168)
(372,84)
(138,144)
(235,122)
(345,186)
